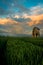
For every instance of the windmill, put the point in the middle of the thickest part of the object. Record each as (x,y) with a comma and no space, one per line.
(36,32)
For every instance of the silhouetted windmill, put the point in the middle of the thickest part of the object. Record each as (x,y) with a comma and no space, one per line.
(36,32)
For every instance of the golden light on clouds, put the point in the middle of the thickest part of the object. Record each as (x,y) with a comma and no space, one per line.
(35,20)
(33,23)
(7,21)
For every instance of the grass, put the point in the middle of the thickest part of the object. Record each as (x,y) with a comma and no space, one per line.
(21,51)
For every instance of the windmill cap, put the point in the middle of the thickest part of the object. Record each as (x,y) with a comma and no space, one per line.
(36,28)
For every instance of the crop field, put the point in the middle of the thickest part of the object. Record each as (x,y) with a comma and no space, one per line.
(21,51)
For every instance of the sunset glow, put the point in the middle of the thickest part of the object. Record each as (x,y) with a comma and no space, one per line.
(19,17)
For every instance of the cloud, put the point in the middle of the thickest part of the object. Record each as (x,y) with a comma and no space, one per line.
(7,8)
(20,17)
(4,21)
(30,20)
(35,10)
(14,7)
(16,16)
(41,31)
(17,29)
(8,25)
(33,23)
(36,20)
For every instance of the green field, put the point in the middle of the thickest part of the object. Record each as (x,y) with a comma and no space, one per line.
(21,51)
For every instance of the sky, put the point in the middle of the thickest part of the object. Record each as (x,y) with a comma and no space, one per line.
(20,16)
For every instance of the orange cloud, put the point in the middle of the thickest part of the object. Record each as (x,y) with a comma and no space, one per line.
(7,21)
(35,19)
(33,23)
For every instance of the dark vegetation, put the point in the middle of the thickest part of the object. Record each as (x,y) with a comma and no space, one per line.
(21,51)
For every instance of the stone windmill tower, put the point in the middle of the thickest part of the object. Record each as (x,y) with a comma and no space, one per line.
(36,32)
